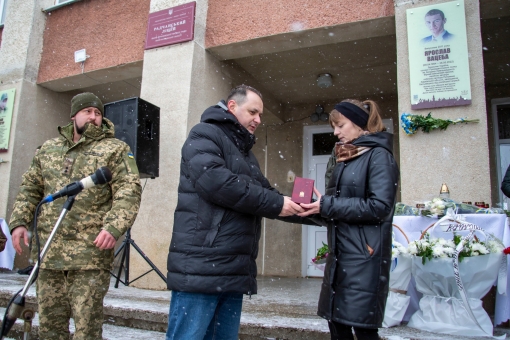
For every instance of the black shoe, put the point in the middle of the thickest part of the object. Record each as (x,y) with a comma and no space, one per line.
(26,271)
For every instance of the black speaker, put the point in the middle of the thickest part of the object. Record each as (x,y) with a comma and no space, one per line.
(137,123)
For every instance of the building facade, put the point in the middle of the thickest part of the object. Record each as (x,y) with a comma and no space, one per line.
(280,48)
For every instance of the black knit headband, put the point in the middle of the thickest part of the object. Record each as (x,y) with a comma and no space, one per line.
(353,113)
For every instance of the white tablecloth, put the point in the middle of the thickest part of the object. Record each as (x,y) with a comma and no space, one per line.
(7,256)
(496,224)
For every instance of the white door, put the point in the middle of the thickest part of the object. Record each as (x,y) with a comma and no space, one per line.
(318,142)
(501,124)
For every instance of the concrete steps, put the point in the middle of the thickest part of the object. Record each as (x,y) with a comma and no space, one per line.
(284,309)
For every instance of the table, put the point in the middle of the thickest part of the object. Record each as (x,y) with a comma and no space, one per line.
(413,226)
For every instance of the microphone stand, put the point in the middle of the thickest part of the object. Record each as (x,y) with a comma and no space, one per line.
(18,307)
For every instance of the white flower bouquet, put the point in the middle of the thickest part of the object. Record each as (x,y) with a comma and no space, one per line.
(430,248)
(453,275)
(437,207)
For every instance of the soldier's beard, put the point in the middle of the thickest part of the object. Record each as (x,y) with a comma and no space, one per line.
(80,129)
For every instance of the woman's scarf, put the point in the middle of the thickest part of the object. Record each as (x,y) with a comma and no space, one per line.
(345,152)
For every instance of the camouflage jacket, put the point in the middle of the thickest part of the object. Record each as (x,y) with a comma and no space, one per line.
(112,206)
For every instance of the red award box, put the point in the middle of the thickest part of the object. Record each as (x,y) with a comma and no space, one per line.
(303,190)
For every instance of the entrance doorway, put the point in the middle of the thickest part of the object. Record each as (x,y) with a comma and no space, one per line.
(318,143)
(501,123)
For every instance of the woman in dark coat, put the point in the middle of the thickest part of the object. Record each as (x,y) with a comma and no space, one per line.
(358,205)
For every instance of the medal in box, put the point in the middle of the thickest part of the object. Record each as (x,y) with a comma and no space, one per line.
(303,190)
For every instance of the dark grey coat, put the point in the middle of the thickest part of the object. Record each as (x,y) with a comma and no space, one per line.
(222,197)
(359,203)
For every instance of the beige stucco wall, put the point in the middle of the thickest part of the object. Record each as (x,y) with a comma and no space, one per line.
(280,244)
(458,156)
(36,111)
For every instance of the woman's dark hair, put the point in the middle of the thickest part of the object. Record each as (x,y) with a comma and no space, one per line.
(374,123)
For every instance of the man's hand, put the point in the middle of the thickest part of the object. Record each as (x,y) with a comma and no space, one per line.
(17,234)
(290,208)
(312,208)
(105,240)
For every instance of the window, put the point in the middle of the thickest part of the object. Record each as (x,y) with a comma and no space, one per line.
(3,6)
(323,143)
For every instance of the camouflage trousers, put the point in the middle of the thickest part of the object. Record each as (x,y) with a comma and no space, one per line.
(75,293)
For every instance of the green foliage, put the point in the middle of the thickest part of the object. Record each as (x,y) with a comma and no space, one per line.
(427,124)
(322,253)
(425,252)
(465,251)
(411,123)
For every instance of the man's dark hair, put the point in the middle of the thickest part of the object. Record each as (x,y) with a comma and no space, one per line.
(239,93)
(434,12)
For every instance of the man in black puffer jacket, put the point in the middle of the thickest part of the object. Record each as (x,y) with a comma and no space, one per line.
(223,196)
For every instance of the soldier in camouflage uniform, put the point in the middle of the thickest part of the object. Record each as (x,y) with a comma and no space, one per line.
(74,275)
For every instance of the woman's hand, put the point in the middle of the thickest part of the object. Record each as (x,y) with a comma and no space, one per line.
(312,208)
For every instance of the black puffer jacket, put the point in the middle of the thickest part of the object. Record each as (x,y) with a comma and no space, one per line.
(222,199)
(359,203)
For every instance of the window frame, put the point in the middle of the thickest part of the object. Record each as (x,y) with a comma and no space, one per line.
(3,6)
(63,3)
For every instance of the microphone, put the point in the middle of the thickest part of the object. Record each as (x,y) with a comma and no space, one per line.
(101,176)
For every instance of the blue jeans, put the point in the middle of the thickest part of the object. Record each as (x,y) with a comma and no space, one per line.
(197,316)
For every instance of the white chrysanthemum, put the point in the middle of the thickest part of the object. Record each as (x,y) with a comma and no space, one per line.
(394,252)
(437,251)
(401,249)
(450,244)
(480,248)
(412,248)
(424,244)
(484,250)
(432,241)
(449,251)
(495,246)
(442,242)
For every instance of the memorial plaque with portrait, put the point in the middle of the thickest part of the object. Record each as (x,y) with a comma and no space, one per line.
(6,107)
(438,55)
